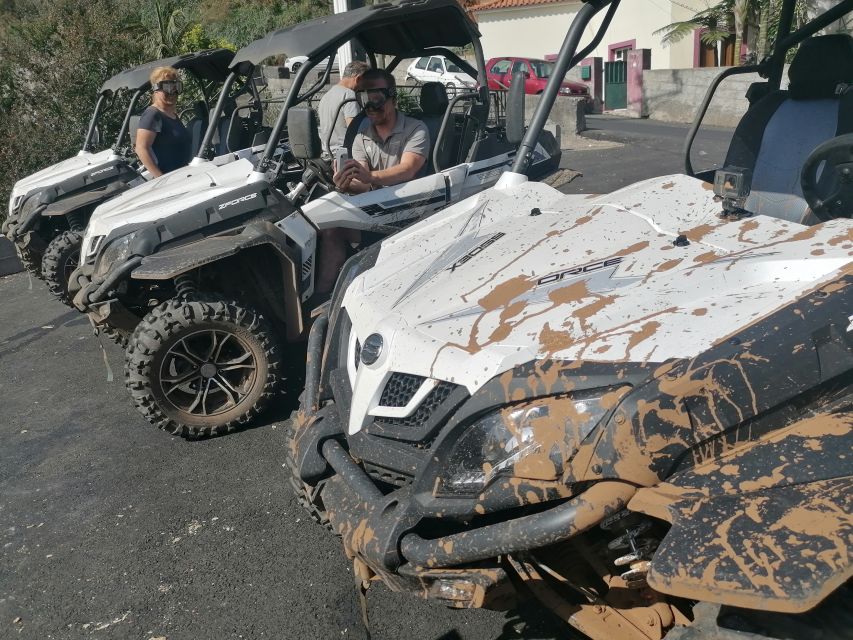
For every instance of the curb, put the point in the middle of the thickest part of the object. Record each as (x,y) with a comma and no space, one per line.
(9,261)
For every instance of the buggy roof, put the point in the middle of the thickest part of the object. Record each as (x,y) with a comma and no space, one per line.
(398,28)
(211,64)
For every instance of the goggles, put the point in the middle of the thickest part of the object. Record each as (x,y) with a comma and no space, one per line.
(374,99)
(169,87)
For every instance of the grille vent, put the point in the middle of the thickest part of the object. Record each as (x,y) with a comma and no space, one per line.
(400,389)
(424,412)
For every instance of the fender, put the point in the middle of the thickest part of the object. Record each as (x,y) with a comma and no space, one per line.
(172,262)
(767,526)
(92,198)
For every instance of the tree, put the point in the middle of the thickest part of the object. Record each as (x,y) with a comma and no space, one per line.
(715,22)
(53,58)
(729,18)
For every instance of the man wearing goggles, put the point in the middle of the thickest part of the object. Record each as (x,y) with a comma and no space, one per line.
(392,149)
(163,144)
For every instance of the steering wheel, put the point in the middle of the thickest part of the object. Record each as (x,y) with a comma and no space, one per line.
(836,157)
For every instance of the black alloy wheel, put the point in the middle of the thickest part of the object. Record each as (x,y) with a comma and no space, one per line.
(202,367)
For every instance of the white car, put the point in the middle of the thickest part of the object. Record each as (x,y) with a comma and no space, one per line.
(440,69)
(295,62)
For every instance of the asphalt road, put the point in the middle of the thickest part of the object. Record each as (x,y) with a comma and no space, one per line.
(112,529)
(647,149)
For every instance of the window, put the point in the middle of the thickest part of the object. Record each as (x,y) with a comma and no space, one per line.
(500,67)
(620,55)
(452,68)
(542,68)
(435,65)
(422,63)
(519,65)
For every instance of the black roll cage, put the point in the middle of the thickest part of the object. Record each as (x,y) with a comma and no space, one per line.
(205,150)
(771,68)
(568,57)
(107,98)
(265,163)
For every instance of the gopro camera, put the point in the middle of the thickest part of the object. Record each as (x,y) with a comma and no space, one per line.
(732,184)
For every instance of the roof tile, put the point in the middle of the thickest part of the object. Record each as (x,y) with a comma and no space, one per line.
(509,4)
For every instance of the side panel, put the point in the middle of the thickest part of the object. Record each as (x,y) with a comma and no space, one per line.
(300,232)
(377,210)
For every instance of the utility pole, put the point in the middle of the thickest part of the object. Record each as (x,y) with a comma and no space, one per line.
(345,53)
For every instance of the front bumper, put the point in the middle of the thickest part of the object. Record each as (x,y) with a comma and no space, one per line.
(415,544)
(92,295)
(20,223)
(371,525)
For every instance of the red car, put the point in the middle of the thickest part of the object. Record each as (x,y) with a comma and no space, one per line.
(499,73)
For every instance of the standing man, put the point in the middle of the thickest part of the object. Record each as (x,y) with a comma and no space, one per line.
(392,149)
(330,117)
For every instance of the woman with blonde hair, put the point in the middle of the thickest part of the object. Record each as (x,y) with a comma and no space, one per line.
(163,144)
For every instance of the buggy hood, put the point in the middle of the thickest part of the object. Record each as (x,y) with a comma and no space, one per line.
(644,274)
(167,195)
(83,162)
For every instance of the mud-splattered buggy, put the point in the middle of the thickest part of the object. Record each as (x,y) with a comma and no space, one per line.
(49,210)
(635,407)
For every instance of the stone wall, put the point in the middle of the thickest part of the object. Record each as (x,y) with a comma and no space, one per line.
(567,116)
(674,95)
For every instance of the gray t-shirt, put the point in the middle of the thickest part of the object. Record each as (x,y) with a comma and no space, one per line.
(327,109)
(409,134)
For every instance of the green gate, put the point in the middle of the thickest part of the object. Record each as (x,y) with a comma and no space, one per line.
(616,85)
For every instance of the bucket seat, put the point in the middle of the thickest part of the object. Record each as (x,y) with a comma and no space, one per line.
(433,101)
(778,132)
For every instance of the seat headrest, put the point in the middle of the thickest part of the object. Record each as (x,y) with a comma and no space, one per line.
(433,99)
(821,64)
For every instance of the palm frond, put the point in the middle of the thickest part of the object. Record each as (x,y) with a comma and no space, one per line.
(677,31)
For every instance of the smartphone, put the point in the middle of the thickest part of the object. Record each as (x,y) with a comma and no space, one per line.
(341,157)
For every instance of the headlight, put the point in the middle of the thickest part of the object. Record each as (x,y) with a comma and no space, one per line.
(533,440)
(116,251)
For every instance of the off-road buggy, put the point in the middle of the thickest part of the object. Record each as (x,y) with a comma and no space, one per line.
(234,264)
(633,407)
(49,210)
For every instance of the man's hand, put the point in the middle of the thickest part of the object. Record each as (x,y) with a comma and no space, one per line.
(353,177)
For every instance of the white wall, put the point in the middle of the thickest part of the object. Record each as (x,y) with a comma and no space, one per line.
(539,30)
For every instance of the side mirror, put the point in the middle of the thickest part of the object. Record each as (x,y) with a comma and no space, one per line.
(303,133)
(515,109)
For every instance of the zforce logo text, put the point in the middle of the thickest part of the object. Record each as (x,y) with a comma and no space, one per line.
(577,271)
(96,173)
(230,203)
(473,252)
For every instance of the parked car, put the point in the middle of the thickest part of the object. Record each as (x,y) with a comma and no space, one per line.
(499,73)
(440,69)
(295,62)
